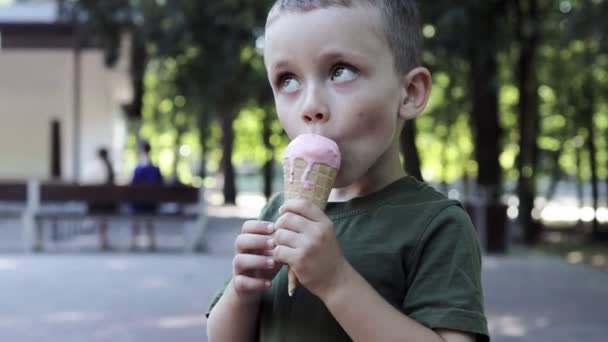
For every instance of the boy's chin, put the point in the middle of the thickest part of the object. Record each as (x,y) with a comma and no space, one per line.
(343,180)
(339,184)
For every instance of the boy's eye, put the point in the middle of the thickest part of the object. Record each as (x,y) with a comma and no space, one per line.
(343,73)
(289,84)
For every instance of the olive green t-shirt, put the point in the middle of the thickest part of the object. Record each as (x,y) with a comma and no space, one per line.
(415,247)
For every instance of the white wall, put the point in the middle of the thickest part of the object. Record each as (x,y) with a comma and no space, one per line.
(36,86)
(34,89)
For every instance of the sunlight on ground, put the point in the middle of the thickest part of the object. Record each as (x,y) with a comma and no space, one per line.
(72,317)
(180,322)
(157,282)
(599,260)
(8,264)
(513,326)
(507,326)
(118,264)
(575,257)
(490,264)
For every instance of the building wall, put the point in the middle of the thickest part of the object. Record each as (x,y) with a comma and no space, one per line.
(37,86)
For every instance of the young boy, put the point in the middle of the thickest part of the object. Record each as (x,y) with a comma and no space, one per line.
(390,259)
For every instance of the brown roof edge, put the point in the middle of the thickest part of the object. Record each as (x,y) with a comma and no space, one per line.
(36,27)
(39,35)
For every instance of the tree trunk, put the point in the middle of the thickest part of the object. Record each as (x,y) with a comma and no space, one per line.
(485,118)
(203,129)
(176,155)
(588,105)
(588,111)
(450,110)
(269,163)
(139,60)
(227,146)
(528,36)
(556,176)
(444,162)
(411,159)
(484,114)
(580,191)
(594,178)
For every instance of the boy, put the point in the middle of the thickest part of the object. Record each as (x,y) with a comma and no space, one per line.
(145,173)
(390,259)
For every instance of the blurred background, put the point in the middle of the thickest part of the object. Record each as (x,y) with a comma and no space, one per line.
(516,129)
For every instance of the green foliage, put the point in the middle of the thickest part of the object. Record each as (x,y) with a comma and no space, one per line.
(203,65)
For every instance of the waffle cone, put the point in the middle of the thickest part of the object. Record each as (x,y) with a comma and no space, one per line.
(321,180)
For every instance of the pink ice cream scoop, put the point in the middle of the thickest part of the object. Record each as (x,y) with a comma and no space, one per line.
(310,166)
(313,149)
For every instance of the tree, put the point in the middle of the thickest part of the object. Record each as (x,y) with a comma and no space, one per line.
(222,30)
(472,30)
(411,159)
(528,38)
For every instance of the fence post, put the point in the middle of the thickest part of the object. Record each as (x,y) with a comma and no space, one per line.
(32,204)
(200,225)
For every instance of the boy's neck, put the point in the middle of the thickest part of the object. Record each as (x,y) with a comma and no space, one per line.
(385,171)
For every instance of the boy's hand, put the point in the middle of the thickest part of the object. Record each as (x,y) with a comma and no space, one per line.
(306,241)
(253,266)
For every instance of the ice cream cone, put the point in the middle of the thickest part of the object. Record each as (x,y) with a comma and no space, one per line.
(321,180)
(310,167)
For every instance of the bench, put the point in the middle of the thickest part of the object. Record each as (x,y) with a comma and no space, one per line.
(52,203)
(12,198)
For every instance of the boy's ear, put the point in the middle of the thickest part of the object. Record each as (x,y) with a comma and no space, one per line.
(417,86)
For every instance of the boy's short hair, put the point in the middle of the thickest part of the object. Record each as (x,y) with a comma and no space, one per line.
(401,24)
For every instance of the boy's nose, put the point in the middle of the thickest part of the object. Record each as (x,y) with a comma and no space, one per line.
(315,118)
(315,110)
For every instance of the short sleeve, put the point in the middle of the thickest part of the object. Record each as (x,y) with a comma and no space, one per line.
(268,213)
(271,209)
(444,276)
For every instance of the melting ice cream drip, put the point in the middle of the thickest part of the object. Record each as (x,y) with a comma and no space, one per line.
(305,175)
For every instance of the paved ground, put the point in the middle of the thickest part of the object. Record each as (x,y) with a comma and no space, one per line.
(79,295)
(543,299)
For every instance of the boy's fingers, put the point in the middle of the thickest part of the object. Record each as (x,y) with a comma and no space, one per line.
(291,221)
(285,237)
(304,208)
(257,227)
(253,242)
(244,263)
(285,255)
(245,283)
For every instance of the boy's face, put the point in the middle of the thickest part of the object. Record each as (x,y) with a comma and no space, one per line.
(333,74)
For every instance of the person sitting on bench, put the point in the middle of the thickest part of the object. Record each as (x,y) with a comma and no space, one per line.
(103,173)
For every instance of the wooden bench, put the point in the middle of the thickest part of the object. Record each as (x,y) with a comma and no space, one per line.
(13,194)
(46,202)
(13,191)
